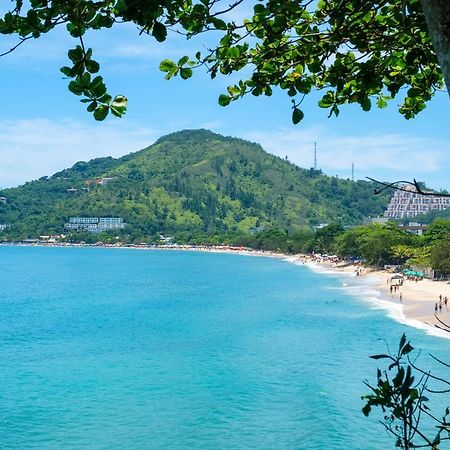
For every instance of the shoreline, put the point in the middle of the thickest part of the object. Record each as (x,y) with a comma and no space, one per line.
(414,301)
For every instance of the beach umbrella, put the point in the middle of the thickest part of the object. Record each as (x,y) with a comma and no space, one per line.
(396,277)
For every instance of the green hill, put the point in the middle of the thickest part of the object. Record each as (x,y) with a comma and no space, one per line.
(192,181)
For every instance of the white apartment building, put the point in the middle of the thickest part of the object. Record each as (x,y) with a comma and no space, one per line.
(410,203)
(95,224)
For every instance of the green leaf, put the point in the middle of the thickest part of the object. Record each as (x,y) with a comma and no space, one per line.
(75,88)
(381,102)
(219,24)
(92,66)
(101,113)
(233,52)
(119,105)
(366,409)
(105,99)
(224,100)
(185,73)
(75,54)
(380,356)
(74,30)
(314,67)
(159,31)
(92,106)
(402,342)
(182,61)
(66,71)
(299,69)
(297,116)
(97,87)
(167,66)
(325,102)
(366,104)
(407,348)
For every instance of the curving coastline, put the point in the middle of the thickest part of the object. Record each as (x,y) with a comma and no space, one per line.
(412,304)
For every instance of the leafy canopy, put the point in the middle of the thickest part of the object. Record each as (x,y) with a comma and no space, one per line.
(354,51)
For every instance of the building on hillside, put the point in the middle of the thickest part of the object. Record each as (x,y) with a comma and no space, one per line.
(105,180)
(409,203)
(3,200)
(320,226)
(376,220)
(414,228)
(3,226)
(95,224)
(100,181)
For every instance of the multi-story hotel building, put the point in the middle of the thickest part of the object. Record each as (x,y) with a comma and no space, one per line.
(95,224)
(409,203)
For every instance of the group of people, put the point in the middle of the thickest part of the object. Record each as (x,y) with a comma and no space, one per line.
(394,287)
(442,302)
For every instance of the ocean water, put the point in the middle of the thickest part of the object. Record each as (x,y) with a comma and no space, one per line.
(128,349)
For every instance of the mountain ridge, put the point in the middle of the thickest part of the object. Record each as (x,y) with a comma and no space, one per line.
(192,181)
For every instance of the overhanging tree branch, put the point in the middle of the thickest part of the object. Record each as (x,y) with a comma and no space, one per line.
(398,186)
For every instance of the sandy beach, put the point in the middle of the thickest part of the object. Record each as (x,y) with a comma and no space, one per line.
(418,298)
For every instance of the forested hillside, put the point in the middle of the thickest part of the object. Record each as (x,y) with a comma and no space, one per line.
(192,181)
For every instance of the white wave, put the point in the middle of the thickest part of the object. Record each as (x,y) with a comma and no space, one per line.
(362,288)
(328,270)
(395,312)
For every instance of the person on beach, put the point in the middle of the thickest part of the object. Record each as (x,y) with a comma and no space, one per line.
(440,307)
(445,301)
(401,296)
(440,297)
(436,308)
(390,289)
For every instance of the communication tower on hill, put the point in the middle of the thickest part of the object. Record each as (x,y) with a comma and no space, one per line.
(315,156)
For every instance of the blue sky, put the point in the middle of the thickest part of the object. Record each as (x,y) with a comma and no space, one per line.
(44,128)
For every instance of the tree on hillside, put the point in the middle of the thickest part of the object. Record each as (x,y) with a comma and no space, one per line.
(325,237)
(440,257)
(438,230)
(353,51)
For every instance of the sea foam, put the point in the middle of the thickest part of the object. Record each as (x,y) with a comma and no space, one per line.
(363,289)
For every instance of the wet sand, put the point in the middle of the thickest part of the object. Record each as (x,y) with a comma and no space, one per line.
(418,298)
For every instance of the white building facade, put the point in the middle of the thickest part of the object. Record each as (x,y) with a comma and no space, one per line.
(409,204)
(95,224)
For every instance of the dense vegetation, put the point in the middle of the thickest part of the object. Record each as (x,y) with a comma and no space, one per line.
(195,186)
(379,245)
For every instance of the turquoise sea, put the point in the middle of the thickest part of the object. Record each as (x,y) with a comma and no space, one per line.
(128,349)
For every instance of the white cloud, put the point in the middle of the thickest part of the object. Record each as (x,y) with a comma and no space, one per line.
(379,155)
(33,148)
